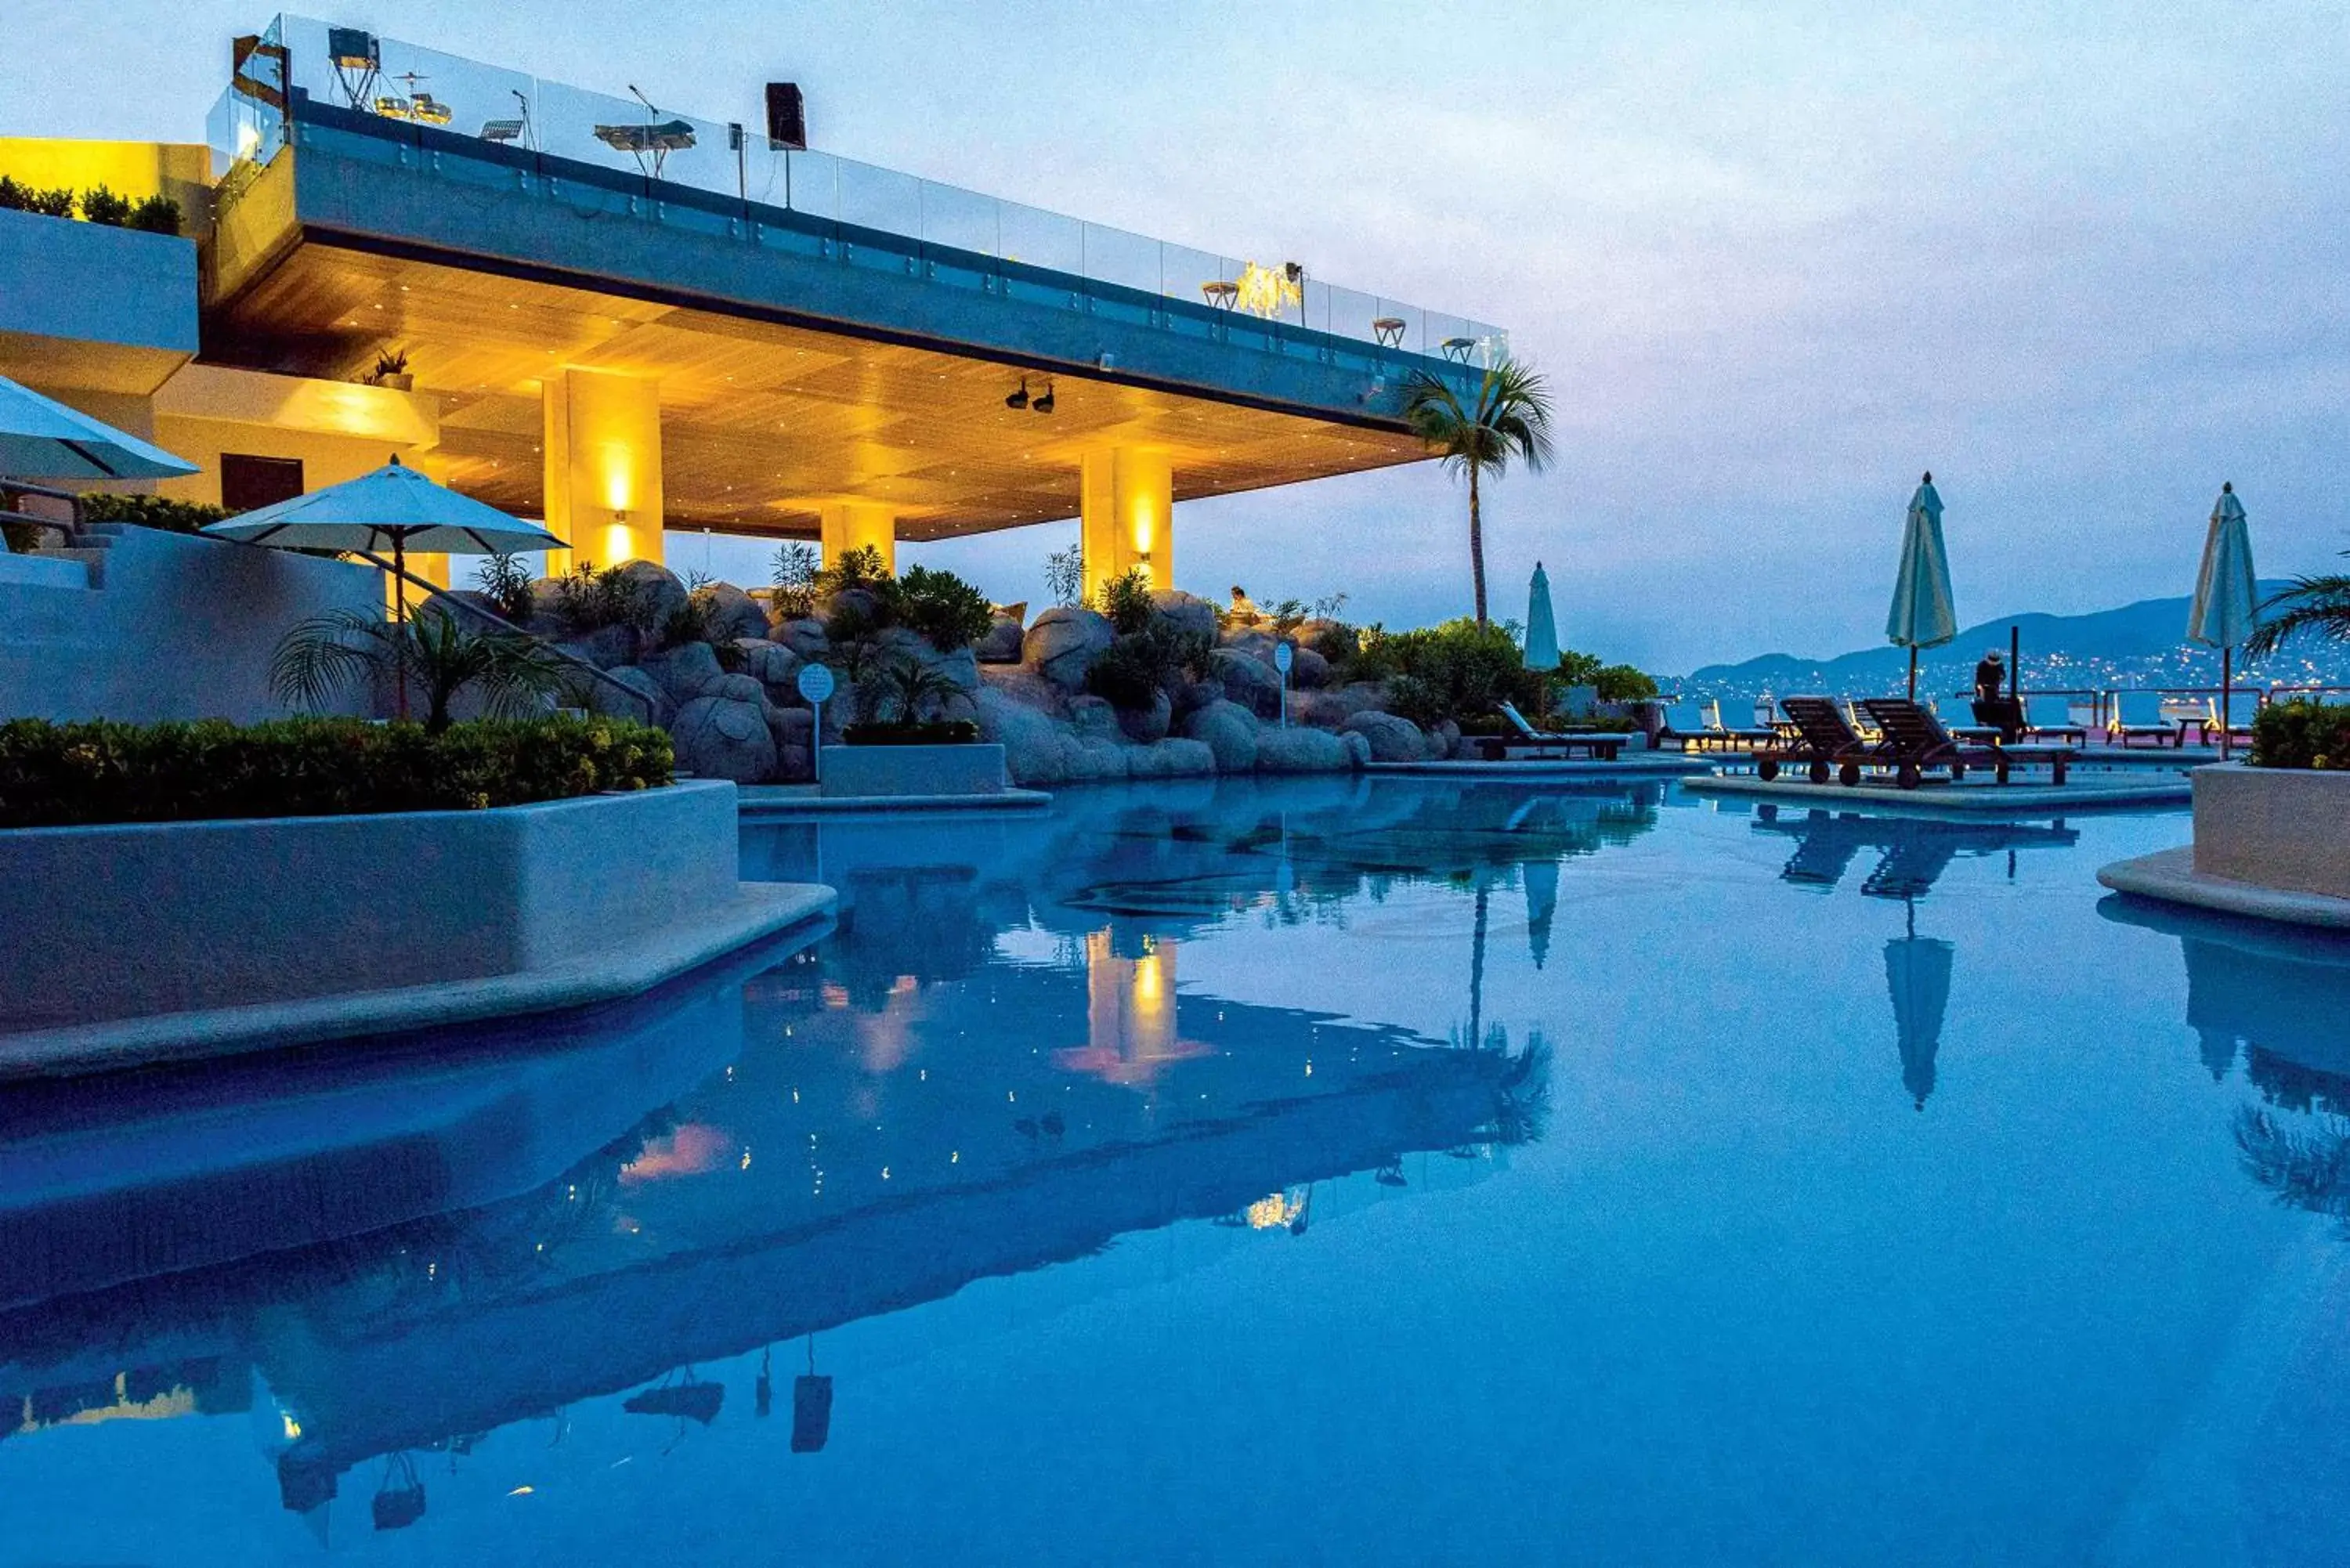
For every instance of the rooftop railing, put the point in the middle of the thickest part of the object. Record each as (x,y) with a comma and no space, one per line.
(354,70)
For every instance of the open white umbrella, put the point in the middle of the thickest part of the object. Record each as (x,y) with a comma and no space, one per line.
(1542,626)
(40,438)
(395,508)
(2225,598)
(1922,615)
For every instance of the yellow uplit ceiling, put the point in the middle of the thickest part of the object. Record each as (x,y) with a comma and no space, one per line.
(763,424)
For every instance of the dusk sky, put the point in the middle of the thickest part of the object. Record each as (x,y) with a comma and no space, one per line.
(2084,260)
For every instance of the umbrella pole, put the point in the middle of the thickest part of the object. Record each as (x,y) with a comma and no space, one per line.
(1913,672)
(2227,718)
(400,620)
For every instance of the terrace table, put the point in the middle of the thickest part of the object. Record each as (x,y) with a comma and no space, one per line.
(1389,330)
(1221,294)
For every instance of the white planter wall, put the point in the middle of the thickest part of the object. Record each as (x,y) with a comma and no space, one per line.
(2274,827)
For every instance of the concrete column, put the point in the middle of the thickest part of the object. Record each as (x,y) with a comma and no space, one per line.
(857,525)
(1127,501)
(603,451)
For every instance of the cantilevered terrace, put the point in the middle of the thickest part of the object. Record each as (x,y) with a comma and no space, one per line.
(632,317)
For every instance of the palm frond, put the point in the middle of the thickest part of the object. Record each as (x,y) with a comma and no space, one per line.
(2321,605)
(331,655)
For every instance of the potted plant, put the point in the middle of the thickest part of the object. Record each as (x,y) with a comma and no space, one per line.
(391,370)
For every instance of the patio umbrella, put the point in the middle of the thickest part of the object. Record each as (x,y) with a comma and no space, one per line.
(1922,614)
(40,438)
(1542,627)
(2226,602)
(395,506)
(1917,973)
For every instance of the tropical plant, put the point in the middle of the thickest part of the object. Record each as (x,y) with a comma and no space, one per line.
(587,600)
(1613,682)
(100,206)
(506,582)
(862,567)
(2319,605)
(156,215)
(2304,733)
(897,689)
(1125,601)
(390,362)
(1133,670)
(1065,575)
(150,512)
(17,196)
(793,572)
(345,652)
(945,610)
(1460,669)
(1327,607)
(1508,419)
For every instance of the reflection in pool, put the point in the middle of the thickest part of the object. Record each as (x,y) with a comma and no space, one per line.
(1332,1170)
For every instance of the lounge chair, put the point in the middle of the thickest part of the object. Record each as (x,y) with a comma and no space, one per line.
(1602,744)
(2239,732)
(1684,727)
(2138,716)
(1824,741)
(1915,741)
(1724,735)
(2051,719)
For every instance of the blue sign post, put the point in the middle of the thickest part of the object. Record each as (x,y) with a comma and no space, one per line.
(815,684)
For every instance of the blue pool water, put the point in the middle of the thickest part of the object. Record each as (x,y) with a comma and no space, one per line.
(1335,1172)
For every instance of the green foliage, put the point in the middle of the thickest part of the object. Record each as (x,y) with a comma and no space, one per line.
(794,574)
(1460,669)
(2302,735)
(1339,643)
(1507,420)
(1135,669)
(1613,683)
(931,732)
(859,568)
(587,600)
(1125,601)
(156,215)
(150,512)
(506,582)
(100,206)
(1065,575)
(345,652)
(902,689)
(15,196)
(102,772)
(391,362)
(690,622)
(944,609)
(2319,605)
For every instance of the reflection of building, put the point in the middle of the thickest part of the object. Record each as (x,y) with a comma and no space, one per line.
(1130,1034)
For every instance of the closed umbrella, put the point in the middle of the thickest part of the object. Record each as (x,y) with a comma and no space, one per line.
(2226,601)
(1917,973)
(40,438)
(1542,626)
(394,507)
(1922,615)
(1542,906)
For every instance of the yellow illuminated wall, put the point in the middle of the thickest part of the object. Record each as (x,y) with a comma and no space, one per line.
(181,171)
(603,452)
(859,525)
(1128,504)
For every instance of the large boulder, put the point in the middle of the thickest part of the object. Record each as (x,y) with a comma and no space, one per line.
(1026,688)
(1359,749)
(684,670)
(859,605)
(1248,680)
(606,648)
(1444,740)
(658,592)
(803,637)
(1093,719)
(1062,644)
(1191,696)
(1322,710)
(1300,751)
(602,699)
(772,665)
(733,613)
(1096,761)
(1230,732)
(1390,737)
(1333,640)
(1147,726)
(1001,645)
(793,729)
(1032,742)
(724,737)
(1188,611)
(1168,759)
(960,667)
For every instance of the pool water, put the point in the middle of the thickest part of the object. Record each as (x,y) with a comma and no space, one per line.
(1339,1171)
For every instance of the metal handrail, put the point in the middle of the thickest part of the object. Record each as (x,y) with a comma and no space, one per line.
(434,591)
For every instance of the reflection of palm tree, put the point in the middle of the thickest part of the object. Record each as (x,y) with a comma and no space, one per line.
(1477,972)
(2307,1169)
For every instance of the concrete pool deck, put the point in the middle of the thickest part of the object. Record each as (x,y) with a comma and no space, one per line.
(623,968)
(1629,765)
(786,803)
(1970,799)
(2169,875)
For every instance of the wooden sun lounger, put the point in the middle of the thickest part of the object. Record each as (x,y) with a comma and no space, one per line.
(1824,741)
(1915,742)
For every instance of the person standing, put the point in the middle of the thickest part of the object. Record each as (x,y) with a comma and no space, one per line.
(1990,677)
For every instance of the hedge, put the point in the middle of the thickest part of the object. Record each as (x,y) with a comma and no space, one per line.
(2305,734)
(101,772)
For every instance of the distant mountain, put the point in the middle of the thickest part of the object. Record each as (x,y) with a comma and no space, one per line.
(2143,644)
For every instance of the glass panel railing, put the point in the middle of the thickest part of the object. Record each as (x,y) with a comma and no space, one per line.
(353,69)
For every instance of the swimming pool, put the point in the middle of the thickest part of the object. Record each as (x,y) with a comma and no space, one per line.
(1348,1171)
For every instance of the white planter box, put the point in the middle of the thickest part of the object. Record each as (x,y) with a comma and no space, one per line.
(118,922)
(976,769)
(2274,827)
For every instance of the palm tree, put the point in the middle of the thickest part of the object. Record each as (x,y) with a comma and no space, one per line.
(2321,605)
(345,651)
(1510,417)
(911,685)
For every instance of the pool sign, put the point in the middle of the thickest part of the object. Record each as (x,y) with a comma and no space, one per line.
(1283,656)
(815,684)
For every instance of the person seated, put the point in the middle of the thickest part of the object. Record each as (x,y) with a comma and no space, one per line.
(1244,611)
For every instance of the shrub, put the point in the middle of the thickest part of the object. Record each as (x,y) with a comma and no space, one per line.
(859,568)
(150,512)
(22,198)
(1125,601)
(100,206)
(2302,735)
(1065,575)
(946,611)
(101,772)
(1459,669)
(935,733)
(505,583)
(587,600)
(905,685)
(156,215)
(794,574)
(1613,683)
(1133,669)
